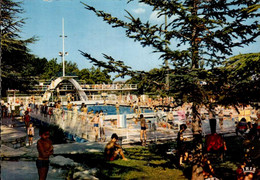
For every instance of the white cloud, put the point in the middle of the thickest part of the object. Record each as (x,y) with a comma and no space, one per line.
(154,17)
(139,10)
(161,19)
(142,5)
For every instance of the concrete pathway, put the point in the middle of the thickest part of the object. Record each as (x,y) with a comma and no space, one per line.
(18,161)
(26,170)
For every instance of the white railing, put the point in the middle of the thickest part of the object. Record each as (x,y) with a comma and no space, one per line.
(109,86)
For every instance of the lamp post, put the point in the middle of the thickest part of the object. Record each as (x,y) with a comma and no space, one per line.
(63,53)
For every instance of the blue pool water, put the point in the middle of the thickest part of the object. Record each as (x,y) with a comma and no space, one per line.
(111,110)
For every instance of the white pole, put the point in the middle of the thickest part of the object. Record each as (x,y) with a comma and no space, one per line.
(63,51)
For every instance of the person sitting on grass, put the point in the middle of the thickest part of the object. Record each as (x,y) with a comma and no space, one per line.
(113,150)
(215,142)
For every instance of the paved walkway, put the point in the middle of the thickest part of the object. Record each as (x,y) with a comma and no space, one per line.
(26,170)
(18,160)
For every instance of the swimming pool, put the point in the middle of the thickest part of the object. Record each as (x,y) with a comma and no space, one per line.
(111,110)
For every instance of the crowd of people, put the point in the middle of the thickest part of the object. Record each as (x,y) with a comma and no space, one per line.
(166,113)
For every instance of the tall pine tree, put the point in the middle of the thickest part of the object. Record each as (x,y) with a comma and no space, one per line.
(208,29)
(14,53)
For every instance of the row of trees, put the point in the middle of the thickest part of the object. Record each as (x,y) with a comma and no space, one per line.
(52,69)
(19,68)
(236,82)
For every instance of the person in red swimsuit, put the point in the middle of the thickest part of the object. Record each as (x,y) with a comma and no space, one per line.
(26,119)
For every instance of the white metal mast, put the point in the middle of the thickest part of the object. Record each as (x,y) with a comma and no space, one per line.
(63,53)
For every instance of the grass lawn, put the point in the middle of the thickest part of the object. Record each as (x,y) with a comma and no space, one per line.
(152,162)
(141,164)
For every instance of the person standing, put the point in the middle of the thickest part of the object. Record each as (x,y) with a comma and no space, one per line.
(45,150)
(143,135)
(50,112)
(45,109)
(69,110)
(95,120)
(8,110)
(181,146)
(30,133)
(75,111)
(84,113)
(12,111)
(2,107)
(102,126)
(117,107)
(26,119)
(170,119)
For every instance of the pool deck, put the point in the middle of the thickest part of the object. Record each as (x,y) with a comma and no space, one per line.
(19,160)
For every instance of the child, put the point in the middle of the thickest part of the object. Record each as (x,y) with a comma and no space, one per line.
(30,133)
(45,150)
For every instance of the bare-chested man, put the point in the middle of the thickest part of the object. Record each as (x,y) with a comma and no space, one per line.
(143,130)
(95,120)
(113,150)
(45,149)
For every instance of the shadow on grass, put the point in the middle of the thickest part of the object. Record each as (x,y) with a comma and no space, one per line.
(106,169)
(142,164)
(153,162)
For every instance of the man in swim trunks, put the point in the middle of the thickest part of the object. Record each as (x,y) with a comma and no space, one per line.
(95,120)
(143,130)
(113,150)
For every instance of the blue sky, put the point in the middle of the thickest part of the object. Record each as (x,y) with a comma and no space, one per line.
(89,33)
